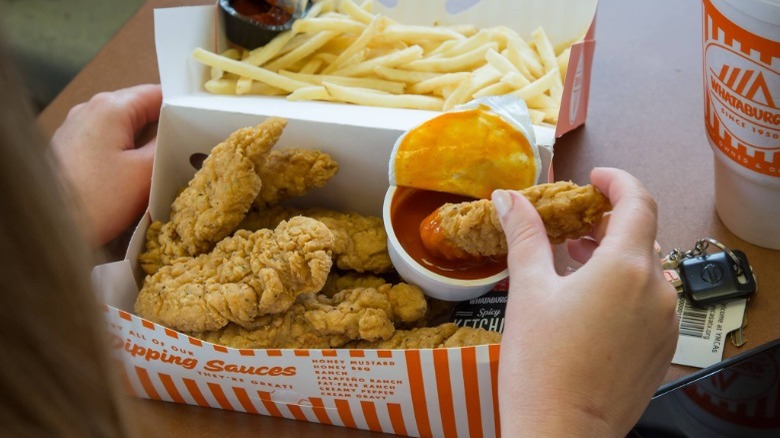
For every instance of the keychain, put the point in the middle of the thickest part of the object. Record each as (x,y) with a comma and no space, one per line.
(709,278)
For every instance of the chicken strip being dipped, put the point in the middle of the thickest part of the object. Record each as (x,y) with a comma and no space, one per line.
(472,229)
(246,276)
(216,198)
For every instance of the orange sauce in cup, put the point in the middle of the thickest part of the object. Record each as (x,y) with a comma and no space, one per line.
(409,209)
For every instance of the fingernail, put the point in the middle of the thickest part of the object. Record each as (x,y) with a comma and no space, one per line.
(502,201)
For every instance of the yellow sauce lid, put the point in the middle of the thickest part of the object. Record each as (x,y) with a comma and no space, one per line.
(484,145)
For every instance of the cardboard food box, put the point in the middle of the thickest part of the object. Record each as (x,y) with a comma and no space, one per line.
(179,31)
(431,392)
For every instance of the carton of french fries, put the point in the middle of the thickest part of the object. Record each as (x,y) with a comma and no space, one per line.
(418,392)
(366,63)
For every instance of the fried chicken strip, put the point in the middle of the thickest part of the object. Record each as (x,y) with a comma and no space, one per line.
(246,276)
(316,321)
(287,173)
(339,281)
(361,241)
(442,336)
(472,229)
(216,198)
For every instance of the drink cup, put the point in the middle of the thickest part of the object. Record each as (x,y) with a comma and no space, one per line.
(741,54)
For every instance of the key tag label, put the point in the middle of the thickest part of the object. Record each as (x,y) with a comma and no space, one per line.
(704,331)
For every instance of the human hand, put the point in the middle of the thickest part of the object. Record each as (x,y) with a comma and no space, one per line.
(583,354)
(109,173)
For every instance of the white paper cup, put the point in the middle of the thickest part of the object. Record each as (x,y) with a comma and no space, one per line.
(741,53)
(748,207)
(433,284)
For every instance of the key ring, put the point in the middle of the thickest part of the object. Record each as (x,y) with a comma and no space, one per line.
(709,240)
(699,248)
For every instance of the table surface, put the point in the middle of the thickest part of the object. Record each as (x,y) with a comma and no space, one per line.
(645,115)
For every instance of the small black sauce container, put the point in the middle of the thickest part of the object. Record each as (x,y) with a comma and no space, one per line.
(253,23)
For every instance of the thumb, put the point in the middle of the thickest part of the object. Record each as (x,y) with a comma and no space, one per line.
(530,253)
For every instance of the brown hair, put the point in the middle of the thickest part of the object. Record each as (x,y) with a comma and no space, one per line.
(56,375)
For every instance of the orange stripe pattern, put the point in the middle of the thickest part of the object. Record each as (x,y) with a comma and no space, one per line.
(424,393)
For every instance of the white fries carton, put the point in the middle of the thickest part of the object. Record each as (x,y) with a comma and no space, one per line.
(439,392)
(181,30)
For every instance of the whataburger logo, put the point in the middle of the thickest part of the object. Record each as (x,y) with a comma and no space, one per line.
(746,91)
(741,95)
(731,83)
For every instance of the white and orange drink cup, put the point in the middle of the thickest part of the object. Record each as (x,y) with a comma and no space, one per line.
(741,53)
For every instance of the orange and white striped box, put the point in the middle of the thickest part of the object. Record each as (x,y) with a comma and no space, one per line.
(439,392)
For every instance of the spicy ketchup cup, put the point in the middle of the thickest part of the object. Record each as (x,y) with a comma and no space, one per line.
(458,156)
(438,278)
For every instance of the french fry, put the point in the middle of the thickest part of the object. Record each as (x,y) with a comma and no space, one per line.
(515,79)
(367,5)
(550,114)
(216,73)
(375,84)
(466,30)
(405,56)
(466,61)
(440,47)
(400,75)
(231,53)
(496,89)
(266,90)
(544,49)
(312,66)
(321,7)
(363,96)
(402,32)
(358,13)
(378,24)
(563,62)
(243,85)
(538,86)
(516,59)
(220,86)
(478,80)
(549,60)
(261,55)
(527,55)
(537,117)
(499,62)
(247,70)
(438,82)
(459,47)
(317,92)
(302,51)
(541,101)
(319,24)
